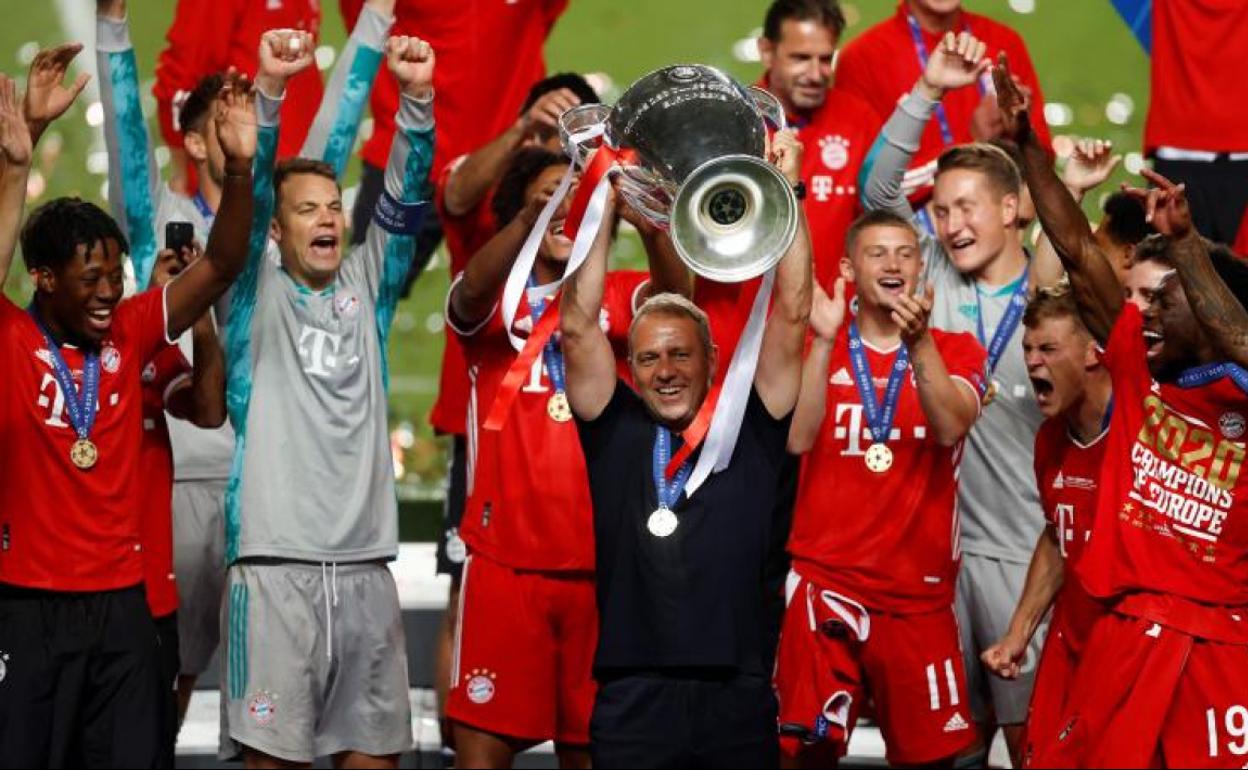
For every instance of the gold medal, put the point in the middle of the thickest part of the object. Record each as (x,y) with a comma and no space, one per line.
(990,394)
(662,523)
(558,408)
(83,454)
(879,458)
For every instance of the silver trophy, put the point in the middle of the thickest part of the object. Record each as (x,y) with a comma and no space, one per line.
(699,168)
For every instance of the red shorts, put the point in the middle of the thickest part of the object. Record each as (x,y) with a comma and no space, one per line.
(910,664)
(1149,696)
(524,653)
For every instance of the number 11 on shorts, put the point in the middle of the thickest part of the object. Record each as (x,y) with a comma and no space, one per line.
(933,685)
(1235,721)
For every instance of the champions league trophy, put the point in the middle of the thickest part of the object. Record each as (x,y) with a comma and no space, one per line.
(687,146)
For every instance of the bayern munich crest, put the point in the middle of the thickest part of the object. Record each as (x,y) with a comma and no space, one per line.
(262,708)
(1232,425)
(834,151)
(347,305)
(480,686)
(110,359)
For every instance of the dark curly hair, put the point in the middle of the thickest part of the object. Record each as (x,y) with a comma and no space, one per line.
(54,231)
(526,166)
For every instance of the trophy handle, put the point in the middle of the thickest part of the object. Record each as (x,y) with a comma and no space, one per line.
(734,218)
(581,131)
(770,108)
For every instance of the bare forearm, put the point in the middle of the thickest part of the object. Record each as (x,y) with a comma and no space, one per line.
(587,353)
(472,179)
(668,272)
(1096,287)
(1215,307)
(812,399)
(779,374)
(948,405)
(1045,576)
(12,202)
(486,275)
(208,379)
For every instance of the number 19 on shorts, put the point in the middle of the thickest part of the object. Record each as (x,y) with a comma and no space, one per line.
(1232,726)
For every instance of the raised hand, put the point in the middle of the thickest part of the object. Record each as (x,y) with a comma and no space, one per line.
(543,116)
(15,141)
(827,314)
(284,53)
(47,97)
(913,314)
(1165,205)
(958,61)
(1090,165)
(412,61)
(1011,101)
(169,264)
(786,154)
(235,118)
(111,9)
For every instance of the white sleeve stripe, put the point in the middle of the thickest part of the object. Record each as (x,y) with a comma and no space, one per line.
(979,400)
(176,384)
(450,319)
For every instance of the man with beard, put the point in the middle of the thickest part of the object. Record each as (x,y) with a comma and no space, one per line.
(1163,676)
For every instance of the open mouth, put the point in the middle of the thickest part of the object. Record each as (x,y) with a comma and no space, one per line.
(100,319)
(1153,343)
(892,285)
(669,392)
(557,234)
(961,244)
(1043,389)
(325,246)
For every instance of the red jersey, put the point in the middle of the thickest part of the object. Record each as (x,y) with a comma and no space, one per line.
(209,36)
(887,540)
(464,236)
(1068,476)
(61,528)
(882,64)
(489,55)
(528,493)
(1172,525)
(1197,95)
(161,377)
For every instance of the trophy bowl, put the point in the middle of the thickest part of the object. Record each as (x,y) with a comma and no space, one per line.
(698,166)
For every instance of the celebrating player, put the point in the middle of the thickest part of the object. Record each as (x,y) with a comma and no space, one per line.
(683,659)
(982,277)
(1162,678)
(311,521)
(1075,395)
(875,531)
(82,681)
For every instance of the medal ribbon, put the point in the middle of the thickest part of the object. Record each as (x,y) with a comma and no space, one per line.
(879,417)
(920,50)
(667,492)
(80,406)
(1009,323)
(552,354)
(1209,373)
(204,209)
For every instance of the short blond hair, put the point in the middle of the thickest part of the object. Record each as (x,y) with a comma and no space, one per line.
(671,304)
(986,159)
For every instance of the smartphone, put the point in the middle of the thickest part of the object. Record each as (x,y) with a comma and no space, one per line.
(179,235)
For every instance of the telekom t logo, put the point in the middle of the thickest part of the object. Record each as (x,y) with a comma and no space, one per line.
(319,350)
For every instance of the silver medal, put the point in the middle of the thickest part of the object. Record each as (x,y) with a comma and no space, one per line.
(662,522)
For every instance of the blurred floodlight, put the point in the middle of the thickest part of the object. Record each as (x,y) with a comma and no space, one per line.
(97,162)
(1058,114)
(601,82)
(26,53)
(36,185)
(746,49)
(1119,109)
(325,56)
(95,115)
(435,323)
(1134,162)
(1023,6)
(162,156)
(405,322)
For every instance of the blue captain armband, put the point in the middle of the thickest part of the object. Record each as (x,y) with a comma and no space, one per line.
(396,217)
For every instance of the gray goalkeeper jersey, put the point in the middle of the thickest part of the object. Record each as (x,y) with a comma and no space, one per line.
(997,496)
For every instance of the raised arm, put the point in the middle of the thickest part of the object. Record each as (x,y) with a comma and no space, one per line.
(193,293)
(827,315)
(779,374)
(201,401)
(133,180)
(587,354)
(332,135)
(472,179)
(958,61)
(474,296)
(16,150)
(668,272)
(950,405)
(1044,579)
(1216,309)
(1087,168)
(1096,287)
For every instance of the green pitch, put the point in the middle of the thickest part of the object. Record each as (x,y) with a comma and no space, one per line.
(1084,54)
